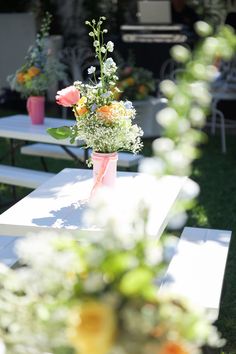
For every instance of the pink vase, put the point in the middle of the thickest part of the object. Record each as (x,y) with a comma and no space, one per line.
(104,169)
(35,107)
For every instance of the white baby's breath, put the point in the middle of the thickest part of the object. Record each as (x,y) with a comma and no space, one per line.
(91,70)
(110,46)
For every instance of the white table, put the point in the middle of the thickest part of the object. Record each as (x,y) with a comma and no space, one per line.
(59,203)
(19,127)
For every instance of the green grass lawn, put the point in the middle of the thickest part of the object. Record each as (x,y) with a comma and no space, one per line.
(215,208)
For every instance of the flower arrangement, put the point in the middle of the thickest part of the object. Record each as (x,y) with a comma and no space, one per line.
(104,123)
(97,296)
(135,83)
(40,69)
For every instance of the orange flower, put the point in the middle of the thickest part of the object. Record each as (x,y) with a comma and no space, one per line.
(130,81)
(33,71)
(20,77)
(142,89)
(173,348)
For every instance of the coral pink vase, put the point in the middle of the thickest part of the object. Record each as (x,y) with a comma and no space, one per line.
(104,169)
(35,107)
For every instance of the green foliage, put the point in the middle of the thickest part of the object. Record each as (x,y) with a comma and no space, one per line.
(59,133)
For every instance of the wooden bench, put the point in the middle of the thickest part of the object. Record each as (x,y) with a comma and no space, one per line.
(197,269)
(23,177)
(125,159)
(7,251)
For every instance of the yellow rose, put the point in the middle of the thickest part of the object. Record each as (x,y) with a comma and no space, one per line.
(80,109)
(92,328)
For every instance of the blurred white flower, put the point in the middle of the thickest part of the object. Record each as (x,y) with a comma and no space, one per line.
(197,116)
(183,126)
(210,46)
(177,221)
(167,116)
(180,53)
(130,219)
(163,145)
(152,166)
(180,100)
(168,88)
(190,190)
(202,28)
(212,72)
(178,161)
(93,283)
(170,247)
(153,254)
(200,93)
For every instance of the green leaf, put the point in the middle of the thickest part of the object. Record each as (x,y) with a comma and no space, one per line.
(60,133)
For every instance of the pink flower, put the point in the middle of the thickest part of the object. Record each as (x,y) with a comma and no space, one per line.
(68,96)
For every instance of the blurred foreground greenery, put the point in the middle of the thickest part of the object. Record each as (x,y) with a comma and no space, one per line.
(215,207)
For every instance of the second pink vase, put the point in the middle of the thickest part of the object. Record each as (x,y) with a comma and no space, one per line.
(36,109)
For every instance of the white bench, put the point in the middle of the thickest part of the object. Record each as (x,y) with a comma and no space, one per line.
(197,269)
(23,177)
(7,251)
(125,159)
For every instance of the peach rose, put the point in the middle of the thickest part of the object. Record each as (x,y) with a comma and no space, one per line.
(68,96)
(105,113)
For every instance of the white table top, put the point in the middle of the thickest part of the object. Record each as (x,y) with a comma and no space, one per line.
(60,203)
(20,127)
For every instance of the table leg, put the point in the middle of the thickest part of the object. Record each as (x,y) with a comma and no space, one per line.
(213,117)
(70,153)
(222,127)
(12,157)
